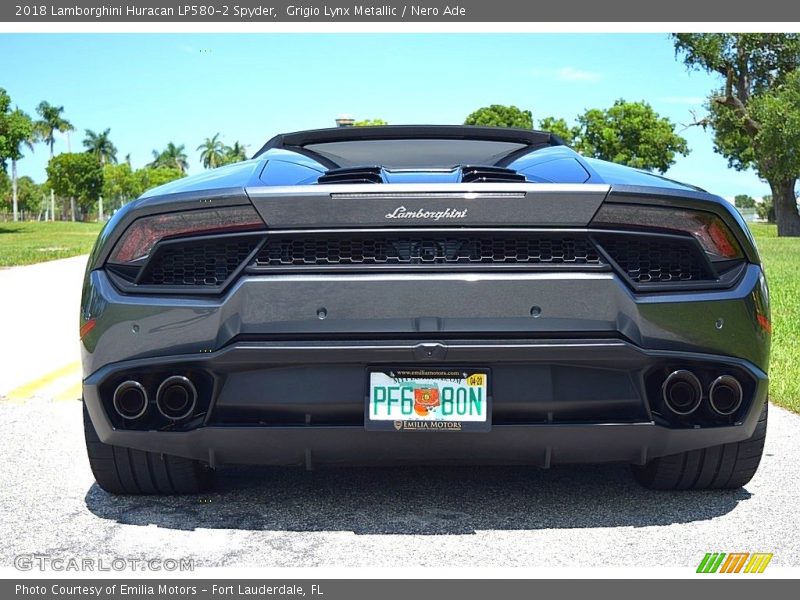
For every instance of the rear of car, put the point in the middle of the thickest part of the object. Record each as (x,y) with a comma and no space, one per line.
(424,295)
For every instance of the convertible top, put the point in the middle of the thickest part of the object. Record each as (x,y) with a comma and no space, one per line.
(411,146)
(302,139)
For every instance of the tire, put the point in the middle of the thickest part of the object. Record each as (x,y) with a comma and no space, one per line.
(121,470)
(726,466)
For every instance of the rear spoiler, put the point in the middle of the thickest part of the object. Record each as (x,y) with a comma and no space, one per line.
(299,139)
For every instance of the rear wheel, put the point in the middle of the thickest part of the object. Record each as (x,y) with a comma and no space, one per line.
(126,471)
(720,467)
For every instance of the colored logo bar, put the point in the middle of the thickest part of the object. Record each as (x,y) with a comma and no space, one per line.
(734,562)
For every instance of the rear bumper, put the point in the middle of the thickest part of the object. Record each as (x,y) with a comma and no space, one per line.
(541,445)
(554,402)
(572,360)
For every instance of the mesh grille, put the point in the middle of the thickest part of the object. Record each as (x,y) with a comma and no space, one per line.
(431,249)
(649,260)
(207,263)
(211,262)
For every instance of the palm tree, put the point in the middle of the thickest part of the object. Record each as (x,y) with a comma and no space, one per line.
(99,145)
(50,123)
(213,152)
(172,156)
(235,153)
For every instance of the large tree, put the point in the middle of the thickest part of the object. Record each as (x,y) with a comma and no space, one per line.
(369,123)
(559,127)
(172,157)
(16,131)
(5,109)
(237,152)
(150,177)
(101,146)
(744,201)
(212,152)
(630,133)
(5,187)
(51,121)
(499,115)
(120,184)
(755,114)
(77,176)
(30,195)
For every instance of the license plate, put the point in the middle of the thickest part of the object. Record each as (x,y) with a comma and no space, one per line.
(428,400)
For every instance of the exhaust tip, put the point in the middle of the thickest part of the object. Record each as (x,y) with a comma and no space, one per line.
(130,400)
(725,395)
(682,392)
(176,398)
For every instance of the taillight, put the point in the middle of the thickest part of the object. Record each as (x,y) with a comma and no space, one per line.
(145,232)
(87,327)
(707,228)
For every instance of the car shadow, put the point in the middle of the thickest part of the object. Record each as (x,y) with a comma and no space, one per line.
(432,501)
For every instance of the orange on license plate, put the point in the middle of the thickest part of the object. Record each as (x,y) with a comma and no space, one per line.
(428,400)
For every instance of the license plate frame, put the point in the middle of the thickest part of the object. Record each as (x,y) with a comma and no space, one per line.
(434,420)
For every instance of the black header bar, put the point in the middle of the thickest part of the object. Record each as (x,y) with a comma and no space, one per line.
(337,11)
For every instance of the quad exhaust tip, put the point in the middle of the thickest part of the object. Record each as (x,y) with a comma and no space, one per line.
(176,398)
(682,392)
(725,395)
(130,400)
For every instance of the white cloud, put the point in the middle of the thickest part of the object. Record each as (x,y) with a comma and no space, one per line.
(573,74)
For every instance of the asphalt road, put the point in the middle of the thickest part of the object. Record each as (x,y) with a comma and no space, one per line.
(590,516)
(39,308)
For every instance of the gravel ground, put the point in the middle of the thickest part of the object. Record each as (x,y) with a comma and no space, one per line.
(592,516)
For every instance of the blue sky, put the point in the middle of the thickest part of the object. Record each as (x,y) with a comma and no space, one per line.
(152,89)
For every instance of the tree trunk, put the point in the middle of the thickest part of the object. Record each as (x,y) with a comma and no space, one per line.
(52,193)
(785,201)
(14,189)
(72,208)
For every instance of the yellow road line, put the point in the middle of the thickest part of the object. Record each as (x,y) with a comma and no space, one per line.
(73,392)
(29,389)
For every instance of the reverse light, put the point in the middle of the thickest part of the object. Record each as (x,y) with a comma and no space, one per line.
(140,237)
(707,228)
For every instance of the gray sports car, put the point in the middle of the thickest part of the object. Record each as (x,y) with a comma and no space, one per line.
(425,295)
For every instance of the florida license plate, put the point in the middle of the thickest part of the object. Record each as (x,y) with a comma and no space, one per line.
(428,400)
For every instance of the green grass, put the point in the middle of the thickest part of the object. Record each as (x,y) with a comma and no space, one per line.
(781,258)
(27,243)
